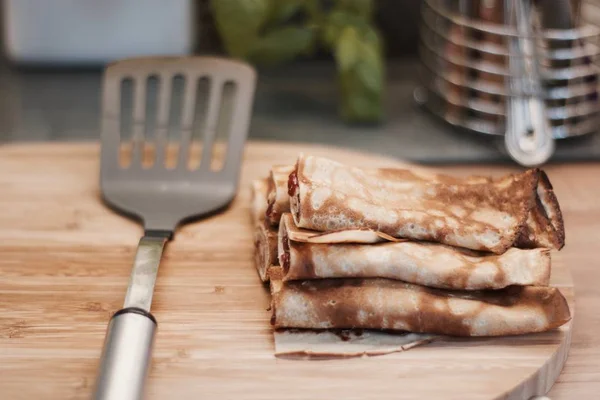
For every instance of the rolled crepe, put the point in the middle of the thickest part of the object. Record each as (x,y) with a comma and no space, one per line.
(265,250)
(395,305)
(278,199)
(295,343)
(258,199)
(429,264)
(265,236)
(544,226)
(477,213)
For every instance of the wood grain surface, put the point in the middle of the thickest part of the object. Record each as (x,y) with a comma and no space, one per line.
(65,261)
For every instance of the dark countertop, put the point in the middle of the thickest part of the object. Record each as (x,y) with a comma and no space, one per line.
(295,103)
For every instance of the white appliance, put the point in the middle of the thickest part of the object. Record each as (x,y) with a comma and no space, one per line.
(95,31)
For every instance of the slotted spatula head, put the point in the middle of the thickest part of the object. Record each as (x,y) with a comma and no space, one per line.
(138,174)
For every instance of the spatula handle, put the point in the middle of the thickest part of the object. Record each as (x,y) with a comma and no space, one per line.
(126,355)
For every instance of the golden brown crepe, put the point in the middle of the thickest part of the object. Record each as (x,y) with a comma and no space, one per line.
(544,226)
(265,250)
(429,264)
(311,343)
(265,236)
(394,305)
(375,261)
(258,200)
(278,199)
(477,213)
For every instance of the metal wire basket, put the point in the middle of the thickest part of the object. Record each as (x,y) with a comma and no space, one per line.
(467,63)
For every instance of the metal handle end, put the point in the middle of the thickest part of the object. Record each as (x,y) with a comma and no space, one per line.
(126,356)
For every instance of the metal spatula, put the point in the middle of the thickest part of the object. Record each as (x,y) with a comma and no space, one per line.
(159,193)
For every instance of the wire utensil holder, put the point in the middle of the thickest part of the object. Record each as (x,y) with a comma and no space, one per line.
(468,56)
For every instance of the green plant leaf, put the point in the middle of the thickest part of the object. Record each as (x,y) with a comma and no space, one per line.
(363,8)
(332,28)
(239,22)
(370,76)
(337,21)
(283,10)
(314,11)
(361,107)
(369,68)
(372,37)
(347,49)
(361,87)
(280,45)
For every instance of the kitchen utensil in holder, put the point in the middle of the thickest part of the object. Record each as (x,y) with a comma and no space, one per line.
(526,70)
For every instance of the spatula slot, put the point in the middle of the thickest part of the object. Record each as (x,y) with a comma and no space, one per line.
(126,121)
(178,83)
(223,128)
(200,111)
(149,147)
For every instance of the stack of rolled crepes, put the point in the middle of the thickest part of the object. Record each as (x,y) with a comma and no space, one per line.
(369,261)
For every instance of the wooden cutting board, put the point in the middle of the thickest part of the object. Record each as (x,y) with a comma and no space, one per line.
(65,261)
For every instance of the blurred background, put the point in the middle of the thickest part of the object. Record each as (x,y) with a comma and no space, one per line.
(374,75)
